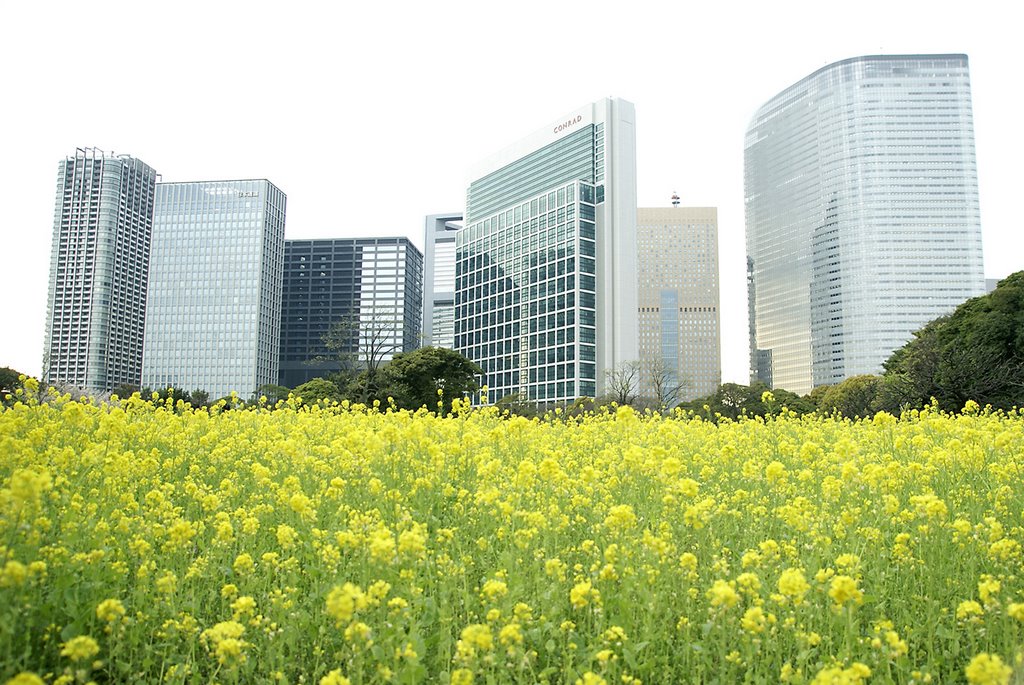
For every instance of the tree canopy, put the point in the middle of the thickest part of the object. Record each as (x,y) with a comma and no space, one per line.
(975,353)
(428,375)
(317,389)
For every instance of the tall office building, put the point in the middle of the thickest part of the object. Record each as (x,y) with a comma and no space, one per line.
(214,310)
(862,213)
(677,301)
(439,279)
(99,269)
(371,286)
(545,278)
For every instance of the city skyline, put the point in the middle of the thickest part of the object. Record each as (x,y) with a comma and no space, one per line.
(695,91)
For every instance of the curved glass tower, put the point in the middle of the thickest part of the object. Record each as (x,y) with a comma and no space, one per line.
(862,214)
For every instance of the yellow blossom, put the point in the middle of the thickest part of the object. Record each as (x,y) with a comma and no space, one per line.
(494,589)
(243,564)
(988,669)
(723,594)
(844,590)
(583,594)
(793,585)
(109,610)
(335,678)
(80,648)
(462,676)
(343,602)
(753,620)
(25,678)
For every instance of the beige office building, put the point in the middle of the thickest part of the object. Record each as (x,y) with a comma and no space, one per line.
(677,298)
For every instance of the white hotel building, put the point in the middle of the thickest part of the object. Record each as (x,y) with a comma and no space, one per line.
(546,282)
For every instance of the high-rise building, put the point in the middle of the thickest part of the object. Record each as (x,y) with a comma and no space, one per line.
(677,302)
(370,288)
(214,309)
(862,214)
(545,278)
(439,279)
(99,270)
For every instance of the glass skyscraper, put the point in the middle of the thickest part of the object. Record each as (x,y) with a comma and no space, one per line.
(862,214)
(99,270)
(545,275)
(439,279)
(214,309)
(372,286)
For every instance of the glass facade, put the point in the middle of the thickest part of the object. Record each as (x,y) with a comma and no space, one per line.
(545,269)
(371,285)
(862,214)
(678,298)
(99,271)
(214,309)
(525,303)
(579,155)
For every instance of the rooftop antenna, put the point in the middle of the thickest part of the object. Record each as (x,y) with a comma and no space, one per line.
(675,199)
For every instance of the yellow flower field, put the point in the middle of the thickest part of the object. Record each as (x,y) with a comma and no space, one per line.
(143,543)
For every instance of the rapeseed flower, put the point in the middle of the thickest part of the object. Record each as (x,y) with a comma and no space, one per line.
(988,669)
(25,678)
(844,590)
(335,678)
(723,594)
(243,564)
(343,602)
(837,675)
(80,648)
(584,593)
(793,585)
(110,610)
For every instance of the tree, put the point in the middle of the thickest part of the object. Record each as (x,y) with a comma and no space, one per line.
(791,401)
(317,389)
(518,405)
(816,394)
(10,380)
(732,400)
(172,393)
(666,386)
(273,393)
(126,390)
(622,382)
(428,375)
(857,396)
(975,353)
(360,344)
(200,398)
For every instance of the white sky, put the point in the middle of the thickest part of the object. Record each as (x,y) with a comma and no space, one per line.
(370,117)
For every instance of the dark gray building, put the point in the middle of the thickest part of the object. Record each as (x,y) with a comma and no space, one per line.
(372,286)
